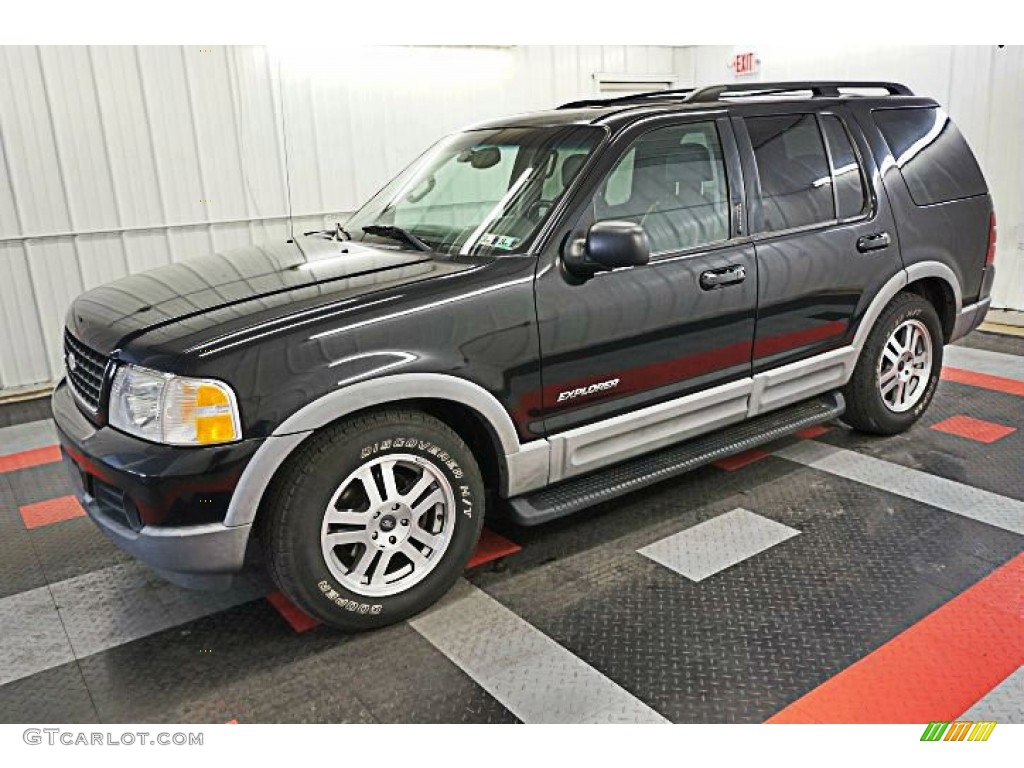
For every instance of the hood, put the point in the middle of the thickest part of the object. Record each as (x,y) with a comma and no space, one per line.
(248,280)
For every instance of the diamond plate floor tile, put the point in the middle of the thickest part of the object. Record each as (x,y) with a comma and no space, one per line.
(27,436)
(107,608)
(74,548)
(19,567)
(56,695)
(705,549)
(25,411)
(1004,703)
(33,637)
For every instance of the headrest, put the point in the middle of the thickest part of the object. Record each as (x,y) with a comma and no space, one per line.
(691,160)
(570,166)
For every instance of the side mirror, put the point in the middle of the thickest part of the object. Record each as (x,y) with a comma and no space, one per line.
(608,245)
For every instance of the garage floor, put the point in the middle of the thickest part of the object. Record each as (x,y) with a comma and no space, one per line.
(829,577)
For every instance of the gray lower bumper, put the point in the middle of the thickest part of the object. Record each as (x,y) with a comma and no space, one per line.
(970,318)
(200,556)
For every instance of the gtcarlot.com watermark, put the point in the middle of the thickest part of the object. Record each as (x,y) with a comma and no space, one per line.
(69,738)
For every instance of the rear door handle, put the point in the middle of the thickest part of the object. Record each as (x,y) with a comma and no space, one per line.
(717,278)
(875,242)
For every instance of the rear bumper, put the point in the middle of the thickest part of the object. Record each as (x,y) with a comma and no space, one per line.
(970,318)
(154,501)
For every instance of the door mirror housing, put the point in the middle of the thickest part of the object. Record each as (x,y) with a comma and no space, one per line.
(608,245)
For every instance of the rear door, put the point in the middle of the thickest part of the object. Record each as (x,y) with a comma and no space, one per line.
(823,229)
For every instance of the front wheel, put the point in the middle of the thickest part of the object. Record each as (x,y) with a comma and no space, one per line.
(373,519)
(898,370)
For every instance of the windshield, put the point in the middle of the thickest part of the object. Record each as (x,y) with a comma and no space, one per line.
(477,192)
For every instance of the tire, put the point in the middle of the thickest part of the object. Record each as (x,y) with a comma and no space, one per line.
(435,507)
(870,410)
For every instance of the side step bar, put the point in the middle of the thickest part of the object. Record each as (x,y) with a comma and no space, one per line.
(576,494)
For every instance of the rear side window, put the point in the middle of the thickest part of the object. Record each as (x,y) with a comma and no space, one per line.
(796,183)
(847,177)
(931,153)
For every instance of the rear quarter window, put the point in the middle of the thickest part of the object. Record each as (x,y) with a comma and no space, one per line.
(931,154)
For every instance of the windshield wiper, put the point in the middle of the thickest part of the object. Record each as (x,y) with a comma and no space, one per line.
(396,233)
(331,234)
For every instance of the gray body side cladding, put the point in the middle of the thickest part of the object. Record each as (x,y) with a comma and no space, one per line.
(532,465)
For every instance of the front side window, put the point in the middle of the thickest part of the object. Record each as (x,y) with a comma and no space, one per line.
(478,192)
(672,183)
(796,183)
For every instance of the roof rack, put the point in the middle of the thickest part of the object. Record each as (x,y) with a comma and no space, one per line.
(629,99)
(817,88)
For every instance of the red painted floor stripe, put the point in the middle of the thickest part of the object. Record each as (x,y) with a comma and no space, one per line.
(51,511)
(812,432)
(935,670)
(973,429)
(983,380)
(297,619)
(491,547)
(732,463)
(25,459)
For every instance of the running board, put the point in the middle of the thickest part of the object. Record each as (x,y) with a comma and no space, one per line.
(576,494)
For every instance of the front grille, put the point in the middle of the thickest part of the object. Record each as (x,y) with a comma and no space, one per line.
(85,374)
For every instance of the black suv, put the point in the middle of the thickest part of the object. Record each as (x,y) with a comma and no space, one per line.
(541,313)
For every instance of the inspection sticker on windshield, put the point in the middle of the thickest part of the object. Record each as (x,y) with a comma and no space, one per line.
(505,242)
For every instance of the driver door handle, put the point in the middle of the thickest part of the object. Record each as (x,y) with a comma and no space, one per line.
(875,242)
(718,278)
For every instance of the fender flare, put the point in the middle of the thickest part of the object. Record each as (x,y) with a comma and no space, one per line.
(897,283)
(366,394)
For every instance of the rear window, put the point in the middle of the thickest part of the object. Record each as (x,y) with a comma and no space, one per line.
(931,153)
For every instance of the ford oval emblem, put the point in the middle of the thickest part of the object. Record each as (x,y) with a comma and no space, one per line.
(72,363)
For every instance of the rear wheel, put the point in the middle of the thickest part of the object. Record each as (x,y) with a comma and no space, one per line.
(373,519)
(898,369)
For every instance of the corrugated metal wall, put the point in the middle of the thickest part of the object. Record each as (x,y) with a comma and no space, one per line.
(114,160)
(982,87)
(118,159)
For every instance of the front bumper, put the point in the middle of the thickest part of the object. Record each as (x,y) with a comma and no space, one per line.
(156,502)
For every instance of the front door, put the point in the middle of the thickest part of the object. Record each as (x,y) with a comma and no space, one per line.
(643,357)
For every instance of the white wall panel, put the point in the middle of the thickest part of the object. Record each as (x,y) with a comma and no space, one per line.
(117,159)
(114,160)
(982,87)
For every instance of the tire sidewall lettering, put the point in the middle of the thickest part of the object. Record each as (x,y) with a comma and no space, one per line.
(425,450)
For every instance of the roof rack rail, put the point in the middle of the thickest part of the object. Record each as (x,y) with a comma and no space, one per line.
(628,99)
(817,88)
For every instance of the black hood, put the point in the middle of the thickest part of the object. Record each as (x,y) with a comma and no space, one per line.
(247,280)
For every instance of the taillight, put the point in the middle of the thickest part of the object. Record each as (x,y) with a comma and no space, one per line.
(990,254)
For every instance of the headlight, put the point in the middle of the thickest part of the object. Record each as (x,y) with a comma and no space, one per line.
(173,409)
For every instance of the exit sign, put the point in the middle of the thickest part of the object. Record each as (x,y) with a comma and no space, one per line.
(745,63)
